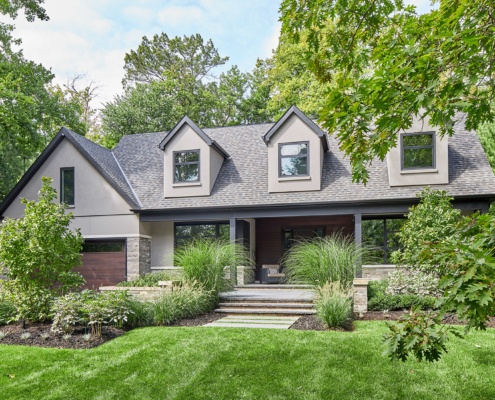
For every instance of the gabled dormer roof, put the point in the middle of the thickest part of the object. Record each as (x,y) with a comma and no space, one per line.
(296,111)
(187,121)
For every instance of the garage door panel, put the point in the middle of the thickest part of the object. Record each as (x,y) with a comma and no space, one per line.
(103,268)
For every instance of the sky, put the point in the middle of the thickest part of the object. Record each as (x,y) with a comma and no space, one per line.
(91,37)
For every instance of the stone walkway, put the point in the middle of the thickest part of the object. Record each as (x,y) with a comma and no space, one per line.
(254,321)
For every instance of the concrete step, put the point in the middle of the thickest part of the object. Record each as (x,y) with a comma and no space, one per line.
(259,321)
(267,304)
(273,286)
(270,311)
(247,299)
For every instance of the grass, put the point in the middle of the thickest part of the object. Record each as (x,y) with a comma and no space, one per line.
(228,363)
(334,258)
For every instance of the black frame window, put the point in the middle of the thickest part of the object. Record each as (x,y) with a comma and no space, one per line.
(381,234)
(67,186)
(102,247)
(185,233)
(186,166)
(293,159)
(418,150)
(293,234)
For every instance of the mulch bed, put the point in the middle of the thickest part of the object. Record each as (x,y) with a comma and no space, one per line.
(76,341)
(36,330)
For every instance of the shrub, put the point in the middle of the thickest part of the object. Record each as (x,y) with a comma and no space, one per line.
(150,279)
(39,252)
(206,261)
(379,299)
(90,308)
(334,258)
(7,309)
(334,304)
(408,281)
(184,302)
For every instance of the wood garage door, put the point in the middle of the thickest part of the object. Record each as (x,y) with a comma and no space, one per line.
(103,263)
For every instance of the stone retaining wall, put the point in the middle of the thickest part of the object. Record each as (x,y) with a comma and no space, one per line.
(377,272)
(360,295)
(139,293)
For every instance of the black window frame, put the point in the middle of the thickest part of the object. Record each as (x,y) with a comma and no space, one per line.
(62,199)
(386,233)
(175,164)
(280,156)
(431,146)
(215,223)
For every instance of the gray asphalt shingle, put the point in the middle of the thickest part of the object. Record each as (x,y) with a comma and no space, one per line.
(243,179)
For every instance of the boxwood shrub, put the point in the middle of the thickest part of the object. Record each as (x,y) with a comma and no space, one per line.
(380,300)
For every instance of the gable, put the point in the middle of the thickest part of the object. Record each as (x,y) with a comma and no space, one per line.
(93,194)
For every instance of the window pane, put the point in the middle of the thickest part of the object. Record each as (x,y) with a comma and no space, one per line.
(203,231)
(187,156)
(295,149)
(187,173)
(224,231)
(372,232)
(67,195)
(102,248)
(394,224)
(418,158)
(418,140)
(183,230)
(293,166)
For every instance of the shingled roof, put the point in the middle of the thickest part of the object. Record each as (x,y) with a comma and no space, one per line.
(243,179)
(135,169)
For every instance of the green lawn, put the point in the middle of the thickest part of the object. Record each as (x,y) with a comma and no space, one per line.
(227,363)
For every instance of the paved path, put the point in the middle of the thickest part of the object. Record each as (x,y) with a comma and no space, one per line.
(254,322)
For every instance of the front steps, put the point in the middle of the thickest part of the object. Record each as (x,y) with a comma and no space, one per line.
(267,300)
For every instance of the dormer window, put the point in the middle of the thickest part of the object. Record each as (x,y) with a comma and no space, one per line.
(186,166)
(418,150)
(293,159)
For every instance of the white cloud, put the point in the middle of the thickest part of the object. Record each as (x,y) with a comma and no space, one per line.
(177,16)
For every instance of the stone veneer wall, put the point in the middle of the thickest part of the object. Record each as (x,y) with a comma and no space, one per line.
(139,293)
(360,295)
(138,257)
(377,272)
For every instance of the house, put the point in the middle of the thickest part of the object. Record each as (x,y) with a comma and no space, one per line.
(263,184)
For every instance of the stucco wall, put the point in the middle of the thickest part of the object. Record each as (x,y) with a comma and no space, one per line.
(431,176)
(295,130)
(162,244)
(210,163)
(98,209)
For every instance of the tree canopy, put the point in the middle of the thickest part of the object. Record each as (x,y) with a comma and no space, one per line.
(31,112)
(384,64)
(167,78)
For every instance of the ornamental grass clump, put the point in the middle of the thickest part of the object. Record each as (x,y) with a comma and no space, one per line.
(334,304)
(211,263)
(184,302)
(334,258)
(148,280)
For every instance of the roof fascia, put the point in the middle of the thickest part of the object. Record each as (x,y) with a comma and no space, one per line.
(293,110)
(186,120)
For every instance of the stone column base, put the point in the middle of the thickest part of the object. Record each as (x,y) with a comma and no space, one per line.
(360,295)
(138,257)
(245,275)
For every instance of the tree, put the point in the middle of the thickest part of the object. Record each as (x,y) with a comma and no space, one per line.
(486,133)
(39,252)
(169,78)
(461,251)
(30,114)
(385,64)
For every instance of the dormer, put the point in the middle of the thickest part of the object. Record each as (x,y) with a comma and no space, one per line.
(421,157)
(295,153)
(192,161)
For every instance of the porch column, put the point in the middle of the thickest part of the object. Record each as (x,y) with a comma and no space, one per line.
(232,230)
(358,237)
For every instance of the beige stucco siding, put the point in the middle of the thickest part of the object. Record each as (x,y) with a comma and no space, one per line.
(295,130)
(162,244)
(98,209)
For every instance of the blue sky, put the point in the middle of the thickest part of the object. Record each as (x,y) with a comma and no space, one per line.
(92,36)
